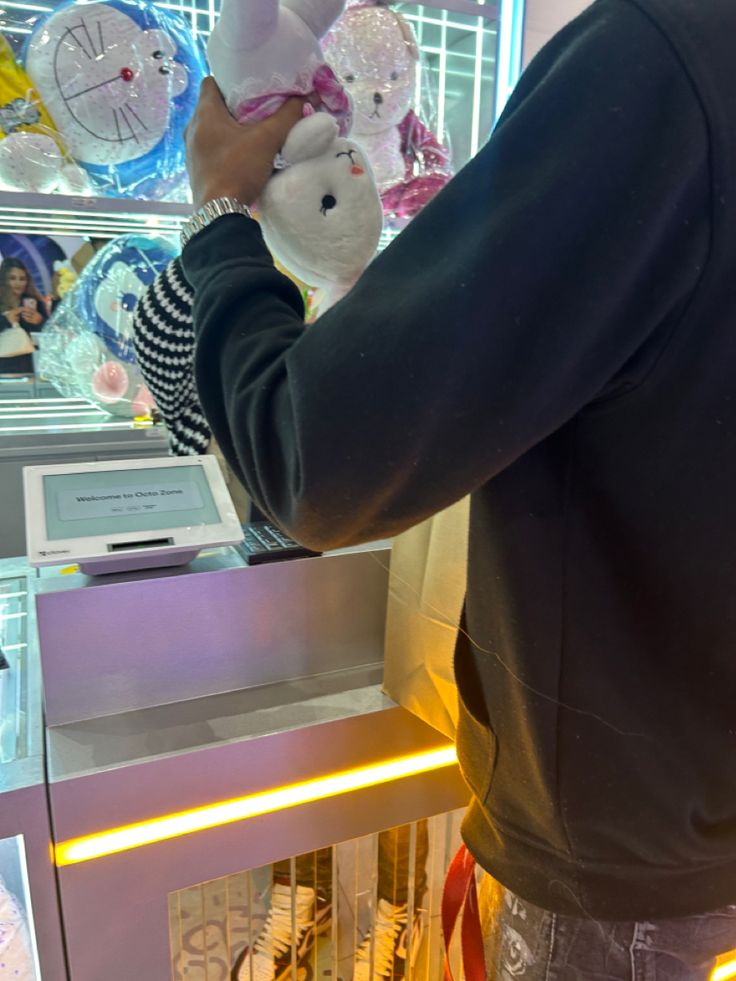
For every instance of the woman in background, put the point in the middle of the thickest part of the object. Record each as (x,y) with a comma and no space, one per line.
(21,305)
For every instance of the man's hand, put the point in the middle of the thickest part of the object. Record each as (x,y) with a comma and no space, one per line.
(227,159)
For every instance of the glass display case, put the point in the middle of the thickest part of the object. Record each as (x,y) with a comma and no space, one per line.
(275,740)
(18,952)
(376,898)
(17,683)
(470,59)
(30,937)
(149,912)
(242,723)
(456,76)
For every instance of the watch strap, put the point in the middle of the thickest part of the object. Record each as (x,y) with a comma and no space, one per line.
(209,212)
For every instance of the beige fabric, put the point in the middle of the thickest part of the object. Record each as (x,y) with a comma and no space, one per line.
(426,595)
(15,341)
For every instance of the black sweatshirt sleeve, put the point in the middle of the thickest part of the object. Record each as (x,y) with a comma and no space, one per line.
(550,273)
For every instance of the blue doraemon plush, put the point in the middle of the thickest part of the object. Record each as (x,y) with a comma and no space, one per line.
(87,345)
(120,79)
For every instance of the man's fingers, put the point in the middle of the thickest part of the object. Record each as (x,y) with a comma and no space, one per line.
(212,103)
(211,106)
(208,90)
(291,111)
(280,123)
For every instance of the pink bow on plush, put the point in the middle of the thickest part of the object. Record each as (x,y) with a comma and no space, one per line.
(332,96)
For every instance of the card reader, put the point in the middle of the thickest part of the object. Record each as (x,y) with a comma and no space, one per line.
(125,515)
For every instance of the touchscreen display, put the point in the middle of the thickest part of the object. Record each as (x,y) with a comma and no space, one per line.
(80,505)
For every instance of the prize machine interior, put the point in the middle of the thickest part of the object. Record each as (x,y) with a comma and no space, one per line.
(92,227)
(30,926)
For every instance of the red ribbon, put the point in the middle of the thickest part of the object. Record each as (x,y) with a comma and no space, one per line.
(460,900)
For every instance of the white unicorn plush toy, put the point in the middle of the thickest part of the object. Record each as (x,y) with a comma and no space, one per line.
(320,212)
(262,53)
(321,217)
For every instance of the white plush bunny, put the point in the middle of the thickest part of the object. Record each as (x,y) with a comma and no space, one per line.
(320,213)
(321,218)
(261,53)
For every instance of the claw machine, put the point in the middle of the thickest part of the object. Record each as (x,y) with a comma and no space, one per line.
(186,827)
(30,935)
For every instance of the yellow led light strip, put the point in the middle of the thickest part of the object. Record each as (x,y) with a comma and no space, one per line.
(723,971)
(227,812)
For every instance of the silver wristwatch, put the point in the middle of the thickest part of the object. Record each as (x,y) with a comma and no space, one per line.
(209,212)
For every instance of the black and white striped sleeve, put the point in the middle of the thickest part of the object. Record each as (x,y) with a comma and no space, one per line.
(164,345)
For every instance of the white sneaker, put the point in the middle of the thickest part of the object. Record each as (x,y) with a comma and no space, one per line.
(389,939)
(271,958)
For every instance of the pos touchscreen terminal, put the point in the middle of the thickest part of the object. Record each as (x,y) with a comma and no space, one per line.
(119,516)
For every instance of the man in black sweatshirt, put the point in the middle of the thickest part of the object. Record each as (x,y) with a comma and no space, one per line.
(556,335)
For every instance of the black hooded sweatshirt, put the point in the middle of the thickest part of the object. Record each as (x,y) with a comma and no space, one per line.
(555,334)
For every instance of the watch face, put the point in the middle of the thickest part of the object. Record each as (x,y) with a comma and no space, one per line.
(106,82)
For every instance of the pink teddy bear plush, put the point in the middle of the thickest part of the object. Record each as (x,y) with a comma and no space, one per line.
(374,52)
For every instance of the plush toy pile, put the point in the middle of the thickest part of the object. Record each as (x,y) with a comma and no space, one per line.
(87,344)
(111,85)
(32,154)
(320,212)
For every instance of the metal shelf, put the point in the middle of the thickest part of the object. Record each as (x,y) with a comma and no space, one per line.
(57,214)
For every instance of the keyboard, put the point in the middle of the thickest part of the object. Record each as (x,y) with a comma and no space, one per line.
(264,542)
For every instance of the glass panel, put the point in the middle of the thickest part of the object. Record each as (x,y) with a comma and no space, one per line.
(455,92)
(13,671)
(456,87)
(213,925)
(343,911)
